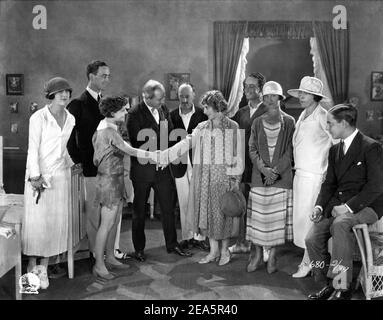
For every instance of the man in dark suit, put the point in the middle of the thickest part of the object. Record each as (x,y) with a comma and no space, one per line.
(87,114)
(245,116)
(185,118)
(351,194)
(149,125)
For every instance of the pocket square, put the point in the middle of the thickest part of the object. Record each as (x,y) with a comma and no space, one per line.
(359,163)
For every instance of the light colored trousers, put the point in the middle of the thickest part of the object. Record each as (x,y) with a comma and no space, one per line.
(183,187)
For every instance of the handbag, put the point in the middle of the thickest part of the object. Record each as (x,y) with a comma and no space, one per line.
(233,203)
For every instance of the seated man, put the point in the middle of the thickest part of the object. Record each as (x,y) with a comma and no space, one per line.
(351,194)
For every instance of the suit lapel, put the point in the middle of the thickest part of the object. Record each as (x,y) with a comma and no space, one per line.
(349,157)
(149,117)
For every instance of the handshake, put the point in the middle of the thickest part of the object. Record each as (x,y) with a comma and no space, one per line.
(161,158)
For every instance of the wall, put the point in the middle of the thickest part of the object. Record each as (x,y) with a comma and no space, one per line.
(146,39)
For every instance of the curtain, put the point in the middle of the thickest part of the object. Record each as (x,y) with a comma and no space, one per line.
(237,88)
(228,41)
(320,74)
(333,48)
(280,29)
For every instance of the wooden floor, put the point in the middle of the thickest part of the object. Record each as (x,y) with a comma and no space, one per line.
(168,276)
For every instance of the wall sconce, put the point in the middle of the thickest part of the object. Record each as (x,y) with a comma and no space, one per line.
(14,127)
(14,107)
(33,107)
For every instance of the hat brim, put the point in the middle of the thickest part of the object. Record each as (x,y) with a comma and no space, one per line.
(295,92)
(47,95)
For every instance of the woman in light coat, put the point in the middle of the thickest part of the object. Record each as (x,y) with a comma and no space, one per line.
(311,143)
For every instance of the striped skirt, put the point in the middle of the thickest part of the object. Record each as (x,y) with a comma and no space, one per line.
(269,216)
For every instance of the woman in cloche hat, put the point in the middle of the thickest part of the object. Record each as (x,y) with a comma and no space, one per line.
(311,142)
(269,211)
(47,179)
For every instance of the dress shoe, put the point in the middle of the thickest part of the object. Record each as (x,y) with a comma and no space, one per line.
(105,276)
(323,294)
(118,254)
(56,271)
(202,245)
(225,258)
(303,271)
(138,255)
(177,249)
(111,266)
(209,258)
(341,295)
(184,244)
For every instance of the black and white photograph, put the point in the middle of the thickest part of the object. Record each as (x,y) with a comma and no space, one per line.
(15,84)
(191,156)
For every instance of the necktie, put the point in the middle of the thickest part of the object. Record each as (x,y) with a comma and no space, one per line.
(155,115)
(341,150)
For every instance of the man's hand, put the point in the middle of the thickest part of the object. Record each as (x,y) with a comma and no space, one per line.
(339,211)
(316,215)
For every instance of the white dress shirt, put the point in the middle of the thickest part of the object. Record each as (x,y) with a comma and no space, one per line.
(93,93)
(348,141)
(186,117)
(253,109)
(47,143)
(154,113)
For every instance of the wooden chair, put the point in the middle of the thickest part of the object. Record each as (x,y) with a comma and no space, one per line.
(77,223)
(370,243)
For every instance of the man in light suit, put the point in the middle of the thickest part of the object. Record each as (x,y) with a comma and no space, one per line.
(351,194)
(186,117)
(245,116)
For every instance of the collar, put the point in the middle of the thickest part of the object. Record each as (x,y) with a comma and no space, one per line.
(188,114)
(93,93)
(256,107)
(349,139)
(106,124)
(149,107)
(48,115)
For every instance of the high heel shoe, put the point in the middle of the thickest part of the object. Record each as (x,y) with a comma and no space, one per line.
(225,259)
(105,276)
(209,258)
(304,270)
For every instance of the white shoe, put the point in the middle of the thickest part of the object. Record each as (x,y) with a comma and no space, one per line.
(303,270)
(266,254)
(42,273)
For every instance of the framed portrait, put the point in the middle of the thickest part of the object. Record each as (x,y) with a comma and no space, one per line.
(174,80)
(15,84)
(377,86)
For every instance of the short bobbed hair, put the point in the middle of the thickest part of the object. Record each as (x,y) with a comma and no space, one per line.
(109,105)
(214,99)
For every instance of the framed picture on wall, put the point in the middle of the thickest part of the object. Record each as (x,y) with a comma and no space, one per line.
(14,84)
(174,80)
(377,86)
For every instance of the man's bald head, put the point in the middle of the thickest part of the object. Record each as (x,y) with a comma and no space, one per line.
(186,95)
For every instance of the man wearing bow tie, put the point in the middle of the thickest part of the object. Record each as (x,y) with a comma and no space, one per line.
(149,124)
(351,194)
(87,114)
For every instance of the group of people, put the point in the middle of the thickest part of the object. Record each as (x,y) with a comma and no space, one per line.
(305,181)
